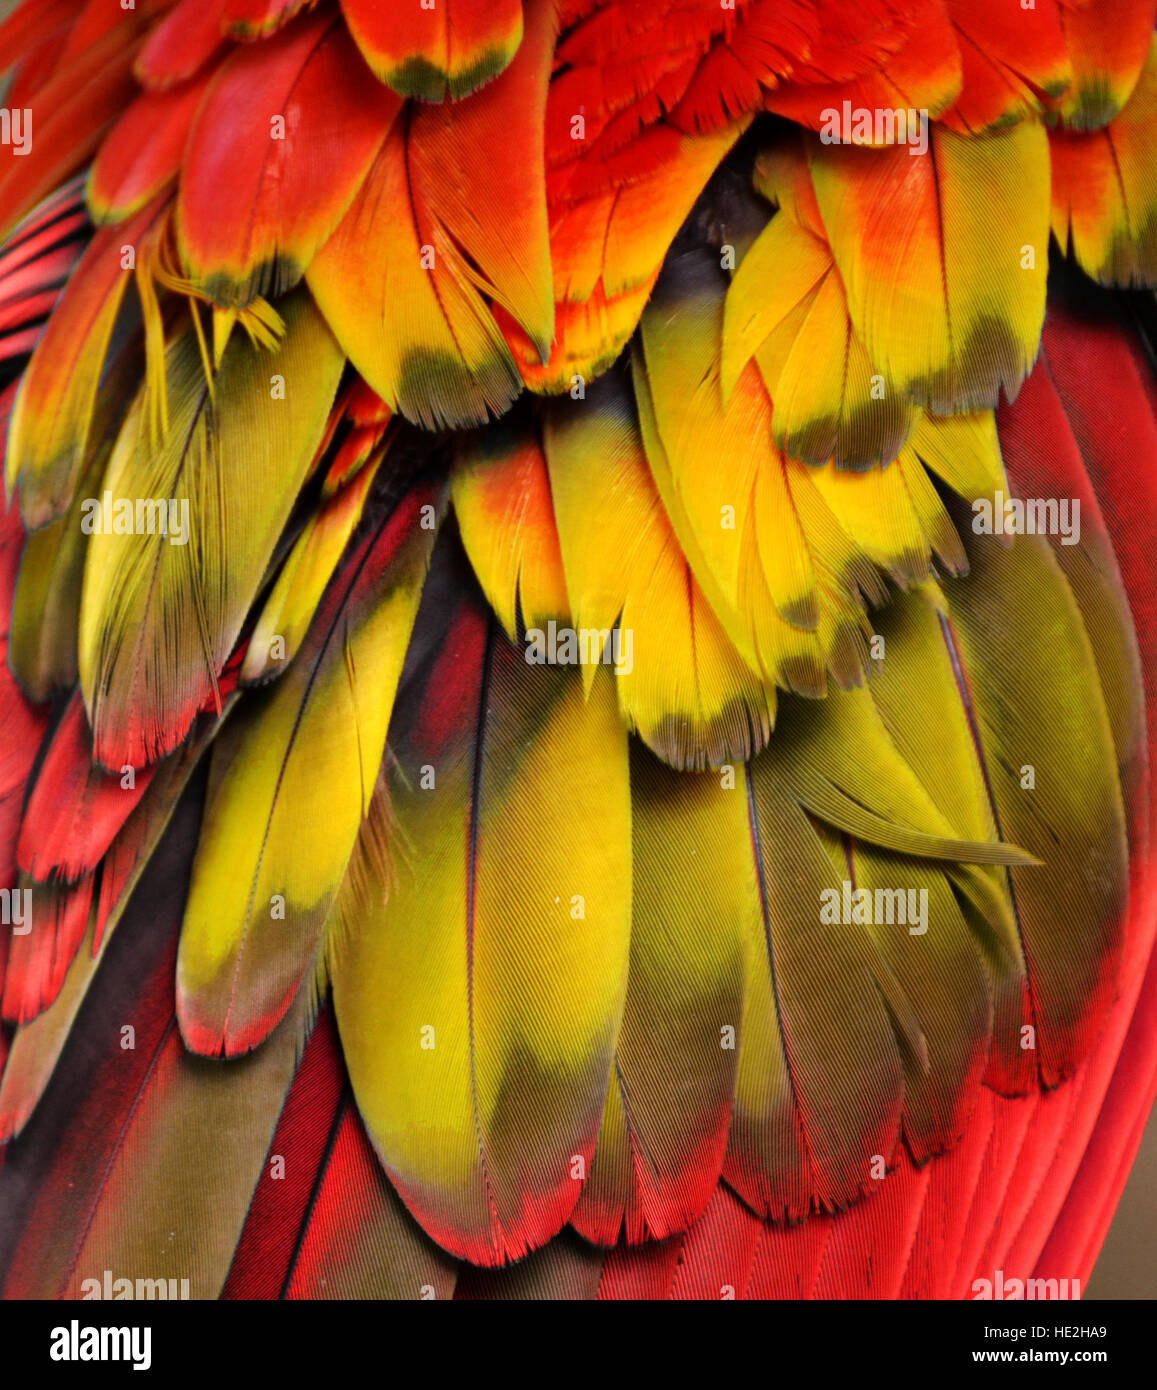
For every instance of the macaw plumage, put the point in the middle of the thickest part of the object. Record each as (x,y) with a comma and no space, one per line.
(581,644)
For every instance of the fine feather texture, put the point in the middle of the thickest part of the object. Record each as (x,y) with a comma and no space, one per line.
(284,621)
(815,1109)
(1106,60)
(1075,816)
(787,308)
(339,1230)
(1104,191)
(38,1044)
(1102,377)
(179,607)
(298,1148)
(46,608)
(609,232)
(662,1138)
(845,424)
(128,821)
(22,724)
(504,1048)
(681,685)
(904,232)
(460,234)
(361,1242)
(1045,459)
(38,960)
(502,500)
(785,581)
(152,1106)
(919,66)
(75,806)
(1010,61)
(54,408)
(71,111)
(252,927)
(34,267)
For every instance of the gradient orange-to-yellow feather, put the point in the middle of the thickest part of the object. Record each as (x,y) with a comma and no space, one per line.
(608,237)
(1104,190)
(681,685)
(943,257)
(458,234)
(1011,59)
(1107,47)
(443,51)
(787,308)
(589,335)
(501,495)
(785,581)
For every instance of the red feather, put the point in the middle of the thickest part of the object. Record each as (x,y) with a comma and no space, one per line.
(76,808)
(70,114)
(105,1091)
(288,188)
(38,959)
(255,19)
(182,44)
(142,154)
(275,1226)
